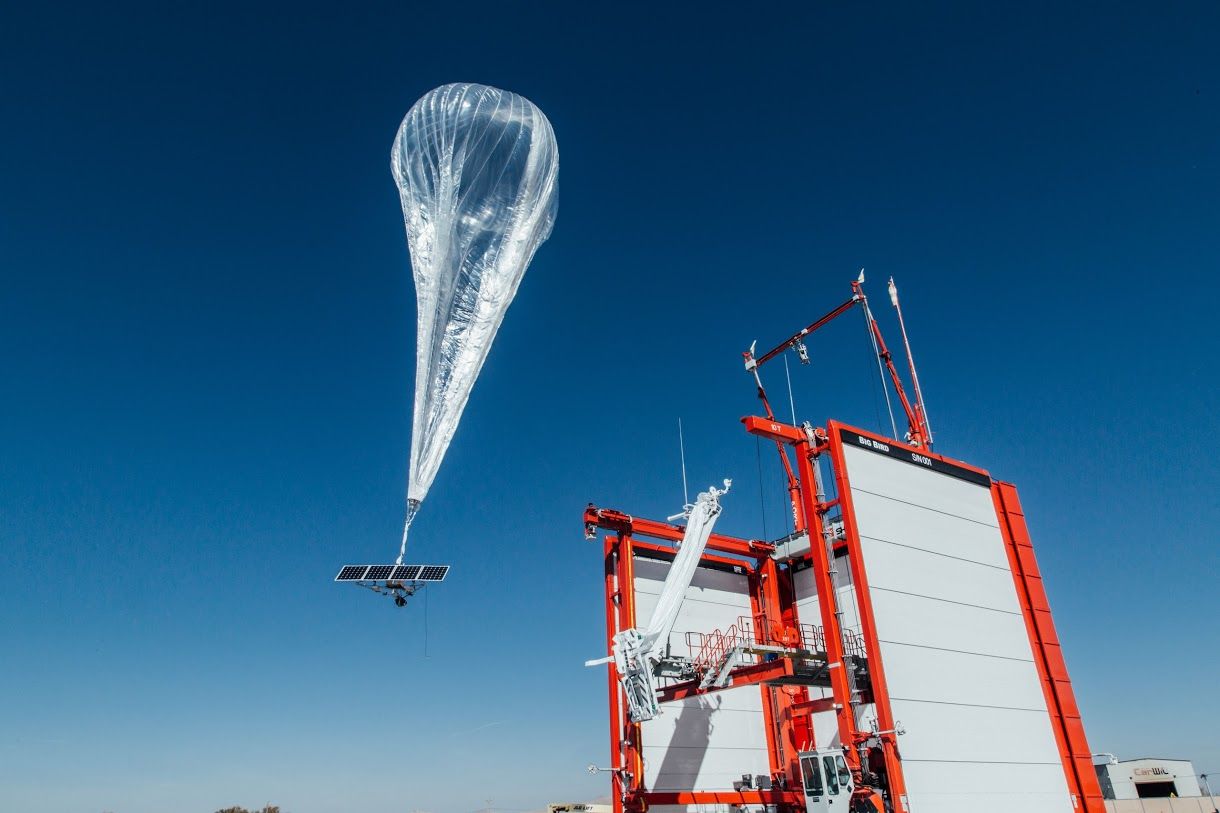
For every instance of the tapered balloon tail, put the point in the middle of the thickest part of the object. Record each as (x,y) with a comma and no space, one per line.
(412,510)
(477,171)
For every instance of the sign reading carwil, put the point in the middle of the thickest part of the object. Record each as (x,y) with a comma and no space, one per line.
(1154,772)
(908,454)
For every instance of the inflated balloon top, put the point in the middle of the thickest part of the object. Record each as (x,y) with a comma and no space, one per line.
(477,171)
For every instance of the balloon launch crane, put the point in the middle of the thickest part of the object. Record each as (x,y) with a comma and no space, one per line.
(906,607)
(916,414)
(637,653)
(918,433)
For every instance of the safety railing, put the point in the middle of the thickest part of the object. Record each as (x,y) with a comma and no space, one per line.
(709,650)
(813,638)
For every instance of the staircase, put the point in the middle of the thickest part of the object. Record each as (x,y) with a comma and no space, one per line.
(716,654)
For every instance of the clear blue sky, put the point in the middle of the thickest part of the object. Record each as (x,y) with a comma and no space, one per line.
(207,325)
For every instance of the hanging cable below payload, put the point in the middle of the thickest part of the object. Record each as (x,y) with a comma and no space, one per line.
(477,174)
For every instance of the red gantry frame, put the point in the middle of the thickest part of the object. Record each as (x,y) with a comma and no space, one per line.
(872,756)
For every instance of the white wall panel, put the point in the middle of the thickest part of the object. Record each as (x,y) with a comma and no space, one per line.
(930,674)
(707,742)
(957,655)
(943,787)
(982,778)
(807,608)
(877,474)
(911,570)
(918,527)
(714,601)
(919,621)
(953,733)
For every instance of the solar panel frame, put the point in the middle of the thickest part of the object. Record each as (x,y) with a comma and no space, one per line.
(351,573)
(433,573)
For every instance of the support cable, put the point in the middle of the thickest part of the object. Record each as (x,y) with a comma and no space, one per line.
(902,325)
(872,386)
(682,452)
(868,323)
(791,401)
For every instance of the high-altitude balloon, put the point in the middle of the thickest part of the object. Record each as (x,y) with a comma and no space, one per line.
(477,171)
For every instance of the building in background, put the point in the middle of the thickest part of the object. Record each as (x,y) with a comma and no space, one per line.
(1148,778)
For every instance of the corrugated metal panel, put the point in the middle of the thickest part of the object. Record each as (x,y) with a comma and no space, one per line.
(701,743)
(958,660)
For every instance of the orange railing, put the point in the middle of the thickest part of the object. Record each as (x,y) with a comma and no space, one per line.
(708,651)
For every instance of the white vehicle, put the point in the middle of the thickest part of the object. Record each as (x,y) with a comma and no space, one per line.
(826,780)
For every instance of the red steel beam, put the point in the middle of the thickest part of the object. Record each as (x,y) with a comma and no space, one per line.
(622,523)
(764,604)
(650,547)
(729,797)
(1048,657)
(613,594)
(868,625)
(630,747)
(814,706)
(795,338)
(767,672)
(828,604)
(916,433)
(773,430)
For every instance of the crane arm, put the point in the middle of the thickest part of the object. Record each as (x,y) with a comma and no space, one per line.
(636,650)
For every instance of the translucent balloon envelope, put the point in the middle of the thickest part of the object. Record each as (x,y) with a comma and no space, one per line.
(477,171)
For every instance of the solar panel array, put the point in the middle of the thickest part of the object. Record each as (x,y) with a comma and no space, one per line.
(379,572)
(405,573)
(394,573)
(351,573)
